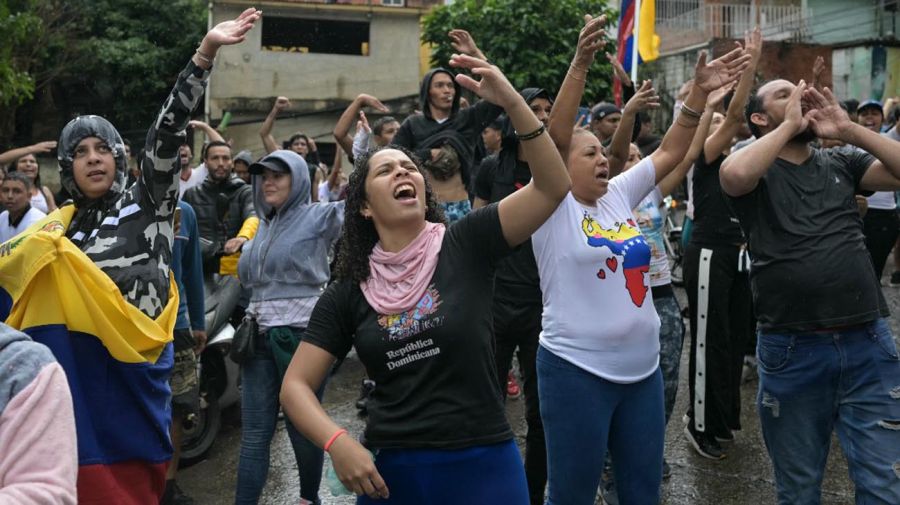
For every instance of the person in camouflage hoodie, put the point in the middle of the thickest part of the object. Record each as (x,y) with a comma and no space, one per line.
(128,232)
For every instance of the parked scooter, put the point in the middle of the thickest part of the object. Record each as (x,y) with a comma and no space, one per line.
(219,375)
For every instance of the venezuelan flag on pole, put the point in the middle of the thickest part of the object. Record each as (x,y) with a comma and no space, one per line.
(117,360)
(643,29)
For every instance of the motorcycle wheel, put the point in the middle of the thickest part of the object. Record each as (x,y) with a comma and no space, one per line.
(199,433)
(676,273)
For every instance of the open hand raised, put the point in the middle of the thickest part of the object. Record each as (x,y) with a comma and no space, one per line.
(826,117)
(493,86)
(463,42)
(234,31)
(645,98)
(720,71)
(590,40)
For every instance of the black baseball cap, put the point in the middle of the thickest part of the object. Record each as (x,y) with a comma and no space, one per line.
(273,163)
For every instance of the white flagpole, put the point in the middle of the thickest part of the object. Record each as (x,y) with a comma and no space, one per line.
(634,42)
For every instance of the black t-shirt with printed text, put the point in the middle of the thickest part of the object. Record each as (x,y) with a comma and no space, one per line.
(810,267)
(517,278)
(434,364)
(714,222)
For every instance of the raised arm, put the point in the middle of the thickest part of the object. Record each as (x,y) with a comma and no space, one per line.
(565,108)
(265,132)
(463,43)
(523,212)
(159,172)
(619,70)
(817,70)
(40,148)
(671,181)
(51,201)
(211,133)
(742,169)
(334,178)
(351,113)
(361,139)
(734,117)
(617,154)
(708,77)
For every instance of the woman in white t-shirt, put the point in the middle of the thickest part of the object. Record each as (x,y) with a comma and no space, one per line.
(598,361)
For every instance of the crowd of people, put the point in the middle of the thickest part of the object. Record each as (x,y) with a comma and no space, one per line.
(465,235)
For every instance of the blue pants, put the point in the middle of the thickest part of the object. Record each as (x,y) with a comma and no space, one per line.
(671,338)
(810,384)
(260,386)
(483,474)
(583,416)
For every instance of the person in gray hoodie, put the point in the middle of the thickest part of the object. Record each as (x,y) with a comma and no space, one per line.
(285,266)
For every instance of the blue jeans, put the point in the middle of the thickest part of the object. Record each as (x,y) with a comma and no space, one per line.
(260,386)
(812,383)
(583,416)
(671,338)
(486,474)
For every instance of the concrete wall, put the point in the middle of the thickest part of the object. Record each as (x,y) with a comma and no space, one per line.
(246,71)
(247,79)
(838,21)
(867,72)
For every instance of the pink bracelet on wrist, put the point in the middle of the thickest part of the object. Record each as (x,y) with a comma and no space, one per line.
(334,437)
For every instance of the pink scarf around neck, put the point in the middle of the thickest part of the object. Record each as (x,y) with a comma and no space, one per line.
(398,280)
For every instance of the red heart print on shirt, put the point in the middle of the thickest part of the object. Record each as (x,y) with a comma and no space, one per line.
(612,263)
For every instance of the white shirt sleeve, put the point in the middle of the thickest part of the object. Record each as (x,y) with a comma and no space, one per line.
(634,184)
(360,143)
(323,192)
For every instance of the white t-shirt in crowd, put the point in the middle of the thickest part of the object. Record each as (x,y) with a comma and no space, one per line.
(651,218)
(327,195)
(880,200)
(198,175)
(8,231)
(594,264)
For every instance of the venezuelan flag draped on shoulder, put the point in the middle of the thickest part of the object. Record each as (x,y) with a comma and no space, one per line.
(116,358)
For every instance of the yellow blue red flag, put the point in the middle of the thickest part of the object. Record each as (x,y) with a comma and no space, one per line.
(117,359)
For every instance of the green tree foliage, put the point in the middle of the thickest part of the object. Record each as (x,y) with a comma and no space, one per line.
(16,84)
(130,54)
(115,58)
(532,41)
(35,46)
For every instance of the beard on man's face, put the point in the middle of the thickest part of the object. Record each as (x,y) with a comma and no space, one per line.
(805,136)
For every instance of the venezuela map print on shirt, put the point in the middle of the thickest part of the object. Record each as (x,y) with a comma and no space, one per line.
(626,242)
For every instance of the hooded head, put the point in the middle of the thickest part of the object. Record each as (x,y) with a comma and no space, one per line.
(425,92)
(242,163)
(283,161)
(77,130)
(531,96)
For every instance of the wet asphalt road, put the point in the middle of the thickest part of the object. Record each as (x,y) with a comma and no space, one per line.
(743,478)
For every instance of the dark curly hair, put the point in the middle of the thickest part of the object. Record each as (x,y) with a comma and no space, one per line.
(359,235)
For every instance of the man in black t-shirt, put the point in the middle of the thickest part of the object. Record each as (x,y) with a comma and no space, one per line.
(826,354)
(517,303)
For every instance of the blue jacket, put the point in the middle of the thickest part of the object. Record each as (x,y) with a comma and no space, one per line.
(288,257)
(187,265)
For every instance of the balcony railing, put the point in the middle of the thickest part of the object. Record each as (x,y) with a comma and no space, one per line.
(683,23)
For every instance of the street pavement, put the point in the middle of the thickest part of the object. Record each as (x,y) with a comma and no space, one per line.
(743,478)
